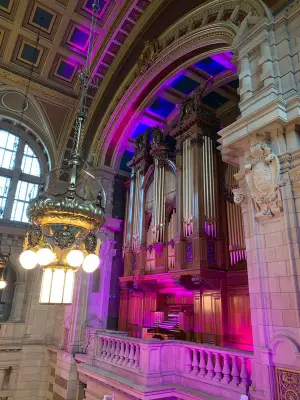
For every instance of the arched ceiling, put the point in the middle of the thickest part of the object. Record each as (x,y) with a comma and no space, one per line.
(122,28)
(221,97)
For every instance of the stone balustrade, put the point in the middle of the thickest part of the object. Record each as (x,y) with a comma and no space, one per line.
(152,362)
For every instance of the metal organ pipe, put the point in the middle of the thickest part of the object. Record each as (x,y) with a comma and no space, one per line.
(126,221)
(237,248)
(209,192)
(158,224)
(188,188)
(136,208)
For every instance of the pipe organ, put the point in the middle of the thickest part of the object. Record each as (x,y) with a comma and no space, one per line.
(184,246)
(236,236)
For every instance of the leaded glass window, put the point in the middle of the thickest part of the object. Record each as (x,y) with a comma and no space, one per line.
(20,172)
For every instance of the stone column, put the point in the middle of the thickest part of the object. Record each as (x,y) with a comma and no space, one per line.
(77,311)
(285,59)
(245,76)
(266,62)
(2,374)
(18,302)
(97,309)
(270,213)
(80,390)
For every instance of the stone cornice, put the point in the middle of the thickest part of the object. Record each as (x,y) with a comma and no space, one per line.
(275,114)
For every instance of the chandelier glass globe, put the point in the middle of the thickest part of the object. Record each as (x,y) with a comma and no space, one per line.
(28,259)
(45,256)
(90,263)
(75,258)
(3,284)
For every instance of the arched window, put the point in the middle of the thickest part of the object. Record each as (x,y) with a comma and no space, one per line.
(20,175)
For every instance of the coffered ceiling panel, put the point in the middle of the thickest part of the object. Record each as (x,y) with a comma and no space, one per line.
(8,8)
(38,17)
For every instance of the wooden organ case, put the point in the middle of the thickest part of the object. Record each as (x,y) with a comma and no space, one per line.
(184,247)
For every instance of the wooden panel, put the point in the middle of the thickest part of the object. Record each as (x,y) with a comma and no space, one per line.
(197,313)
(123,312)
(135,309)
(207,313)
(218,320)
(149,306)
(239,319)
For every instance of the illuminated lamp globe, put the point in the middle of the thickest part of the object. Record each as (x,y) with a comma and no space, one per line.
(90,263)
(28,259)
(45,256)
(3,284)
(75,258)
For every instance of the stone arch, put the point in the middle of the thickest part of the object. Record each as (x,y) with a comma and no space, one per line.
(178,46)
(34,119)
(285,350)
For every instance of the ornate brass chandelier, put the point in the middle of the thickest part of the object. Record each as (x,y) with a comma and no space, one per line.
(64,223)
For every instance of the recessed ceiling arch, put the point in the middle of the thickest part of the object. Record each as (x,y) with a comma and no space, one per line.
(196,42)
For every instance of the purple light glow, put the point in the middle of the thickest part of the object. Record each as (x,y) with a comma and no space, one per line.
(221,59)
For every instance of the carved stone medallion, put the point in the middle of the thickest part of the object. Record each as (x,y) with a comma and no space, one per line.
(262,173)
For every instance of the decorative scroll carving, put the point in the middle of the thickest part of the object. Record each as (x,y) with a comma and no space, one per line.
(148,56)
(238,196)
(288,384)
(262,172)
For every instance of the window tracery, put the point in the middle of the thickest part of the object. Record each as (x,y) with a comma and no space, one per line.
(20,174)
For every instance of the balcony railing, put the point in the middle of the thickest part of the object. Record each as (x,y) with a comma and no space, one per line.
(152,362)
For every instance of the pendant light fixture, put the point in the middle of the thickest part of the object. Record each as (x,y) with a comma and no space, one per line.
(64,224)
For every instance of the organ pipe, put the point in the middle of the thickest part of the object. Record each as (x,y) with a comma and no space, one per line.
(127,205)
(158,224)
(187,200)
(136,210)
(209,190)
(236,237)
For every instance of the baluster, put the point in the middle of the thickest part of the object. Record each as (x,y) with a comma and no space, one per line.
(218,368)
(188,361)
(244,373)
(100,346)
(131,355)
(126,354)
(104,348)
(137,357)
(210,366)
(121,355)
(202,364)
(195,362)
(117,352)
(112,351)
(236,380)
(108,349)
(226,370)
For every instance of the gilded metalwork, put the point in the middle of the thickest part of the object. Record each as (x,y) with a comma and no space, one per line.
(64,238)
(90,242)
(35,235)
(288,384)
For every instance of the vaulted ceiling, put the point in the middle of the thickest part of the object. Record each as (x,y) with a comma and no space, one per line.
(53,61)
